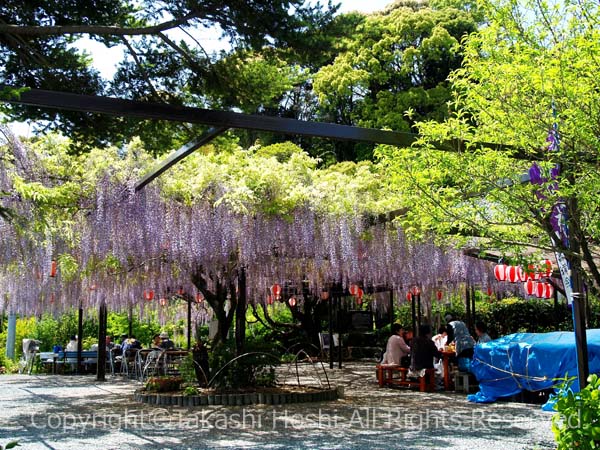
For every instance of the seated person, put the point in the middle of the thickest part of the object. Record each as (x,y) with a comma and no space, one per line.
(441,338)
(459,334)
(131,344)
(423,350)
(72,345)
(481,331)
(396,348)
(156,342)
(166,343)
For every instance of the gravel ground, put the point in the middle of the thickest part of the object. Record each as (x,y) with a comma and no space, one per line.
(76,412)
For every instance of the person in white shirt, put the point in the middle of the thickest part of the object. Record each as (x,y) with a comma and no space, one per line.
(396,348)
(441,338)
(72,345)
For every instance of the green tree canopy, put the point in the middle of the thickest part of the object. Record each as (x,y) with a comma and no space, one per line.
(394,70)
(165,60)
(532,68)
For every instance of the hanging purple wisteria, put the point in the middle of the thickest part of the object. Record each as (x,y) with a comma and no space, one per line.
(130,243)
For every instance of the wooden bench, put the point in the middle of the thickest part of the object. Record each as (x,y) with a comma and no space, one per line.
(385,377)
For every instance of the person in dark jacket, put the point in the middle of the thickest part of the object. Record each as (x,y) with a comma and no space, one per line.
(423,350)
(201,364)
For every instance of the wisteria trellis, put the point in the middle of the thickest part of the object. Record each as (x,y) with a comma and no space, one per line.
(160,243)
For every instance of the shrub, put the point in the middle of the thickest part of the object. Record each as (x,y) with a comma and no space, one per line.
(248,371)
(190,390)
(163,384)
(577,421)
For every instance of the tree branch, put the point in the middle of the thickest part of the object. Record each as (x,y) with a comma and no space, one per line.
(181,51)
(98,30)
(143,71)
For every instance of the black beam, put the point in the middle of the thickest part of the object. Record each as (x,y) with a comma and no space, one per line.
(179,154)
(227,119)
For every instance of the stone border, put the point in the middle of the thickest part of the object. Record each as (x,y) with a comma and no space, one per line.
(256,398)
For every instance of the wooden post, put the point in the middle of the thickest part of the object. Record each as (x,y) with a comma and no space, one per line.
(413,314)
(468,305)
(473,306)
(583,369)
(391,308)
(130,320)
(79,339)
(101,366)
(339,331)
(189,323)
(240,314)
(417,299)
(330,317)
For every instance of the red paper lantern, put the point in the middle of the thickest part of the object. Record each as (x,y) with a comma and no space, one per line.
(416,290)
(353,289)
(549,292)
(540,289)
(439,295)
(409,296)
(360,293)
(530,287)
(199,297)
(545,268)
(500,272)
(276,290)
(512,274)
(53,268)
(149,295)
(292,302)
(162,301)
(521,274)
(489,291)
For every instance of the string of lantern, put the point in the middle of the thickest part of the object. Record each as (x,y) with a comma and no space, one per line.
(531,277)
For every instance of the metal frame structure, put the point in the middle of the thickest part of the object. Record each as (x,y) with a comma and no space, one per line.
(223,120)
(220,121)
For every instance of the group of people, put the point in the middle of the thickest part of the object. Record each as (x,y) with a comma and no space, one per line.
(159,342)
(421,352)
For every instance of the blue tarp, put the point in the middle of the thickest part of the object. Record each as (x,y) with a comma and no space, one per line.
(529,361)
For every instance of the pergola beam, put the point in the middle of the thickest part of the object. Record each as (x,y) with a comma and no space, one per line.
(228,119)
(178,155)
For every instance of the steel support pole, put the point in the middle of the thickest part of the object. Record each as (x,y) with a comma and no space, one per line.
(11,335)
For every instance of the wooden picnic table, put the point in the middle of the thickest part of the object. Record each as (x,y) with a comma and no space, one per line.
(446,355)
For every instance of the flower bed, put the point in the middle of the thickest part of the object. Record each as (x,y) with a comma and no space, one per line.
(163,384)
(271,396)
